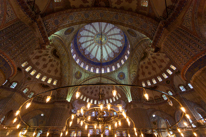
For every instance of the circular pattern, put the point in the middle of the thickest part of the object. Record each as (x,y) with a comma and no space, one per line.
(121,75)
(69,31)
(132,33)
(100,47)
(78,75)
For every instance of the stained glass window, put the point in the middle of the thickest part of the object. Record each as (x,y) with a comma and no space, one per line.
(31,94)
(33,72)
(49,80)
(25,90)
(159,78)
(164,75)
(24,64)
(170,93)
(144,3)
(169,71)
(118,134)
(143,84)
(79,133)
(124,133)
(106,132)
(164,97)
(38,75)
(72,134)
(182,88)
(172,67)
(28,68)
(191,87)
(13,85)
(154,81)
(5,82)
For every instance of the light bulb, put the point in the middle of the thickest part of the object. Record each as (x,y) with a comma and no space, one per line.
(135,129)
(188,116)
(72,116)
(178,130)
(142,135)
(128,135)
(77,94)
(61,134)
(183,109)
(89,117)
(20,133)
(81,123)
(114,92)
(100,126)
(86,126)
(169,134)
(88,135)
(108,106)
(115,135)
(95,126)
(101,106)
(17,112)
(155,134)
(34,133)
(195,134)
(136,134)
(25,132)
(66,133)
(70,123)
(110,127)
(120,108)
(128,123)
(185,123)
(115,124)
(182,134)
(15,119)
(119,123)
(146,96)
(75,134)
(18,126)
(47,134)
(48,98)
(82,111)
(88,105)
(101,135)
(28,105)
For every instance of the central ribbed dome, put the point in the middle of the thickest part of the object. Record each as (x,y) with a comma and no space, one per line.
(100,45)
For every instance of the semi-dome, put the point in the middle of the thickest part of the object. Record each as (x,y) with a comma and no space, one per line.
(101,47)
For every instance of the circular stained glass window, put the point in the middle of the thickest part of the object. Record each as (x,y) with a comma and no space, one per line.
(100,47)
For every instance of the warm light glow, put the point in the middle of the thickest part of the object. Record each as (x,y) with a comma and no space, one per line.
(75,134)
(169,134)
(101,135)
(61,134)
(25,132)
(110,127)
(28,105)
(182,134)
(77,94)
(128,123)
(89,117)
(100,126)
(124,114)
(136,134)
(115,124)
(15,119)
(114,92)
(82,111)
(86,126)
(70,123)
(195,134)
(115,135)
(119,123)
(185,123)
(20,133)
(73,116)
(88,105)
(48,98)
(146,96)
(142,135)
(128,135)
(66,133)
(17,112)
(88,135)
(34,133)
(120,108)
(47,134)
(81,123)
(108,106)
(95,126)
(135,129)
(178,130)
(183,109)
(18,126)
(101,106)
(188,116)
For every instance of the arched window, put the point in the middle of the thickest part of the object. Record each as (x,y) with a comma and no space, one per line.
(91,101)
(81,97)
(33,72)
(25,90)
(2,119)
(164,97)
(144,3)
(170,93)
(28,68)
(5,82)
(13,85)
(148,83)
(57,0)
(31,94)
(169,71)
(164,75)
(108,69)
(182,88)
(38,75)
(55,82)
(87,99)
(172,67)
(191,87)
(49,80)
(159,78)
(95,101)
(154,81)
(110,100)
(97,70)
(102,70)
(43,78)
(24,64)
(143,84)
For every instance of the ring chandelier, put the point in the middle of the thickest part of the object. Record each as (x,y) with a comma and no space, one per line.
(104,116)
